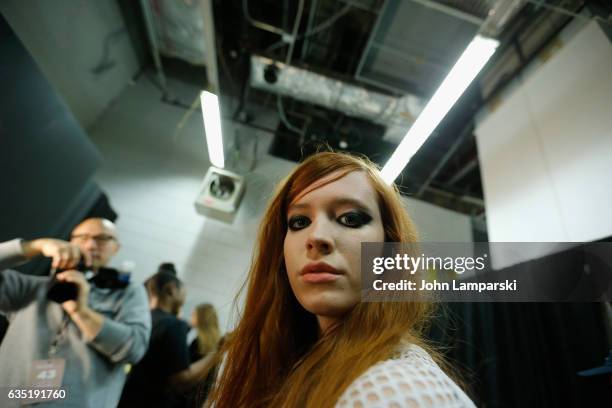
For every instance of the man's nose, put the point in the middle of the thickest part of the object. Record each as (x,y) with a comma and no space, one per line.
(320,237)
(90,244)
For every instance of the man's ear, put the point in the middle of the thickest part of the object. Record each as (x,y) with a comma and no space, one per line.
(117,247)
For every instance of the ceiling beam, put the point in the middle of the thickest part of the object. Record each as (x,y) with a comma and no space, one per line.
(467,168)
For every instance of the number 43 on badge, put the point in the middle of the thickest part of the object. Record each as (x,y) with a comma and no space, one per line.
(47,373)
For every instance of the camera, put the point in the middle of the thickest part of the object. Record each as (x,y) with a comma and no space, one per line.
(104,278)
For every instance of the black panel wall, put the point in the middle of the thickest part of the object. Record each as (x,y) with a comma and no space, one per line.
(46,160)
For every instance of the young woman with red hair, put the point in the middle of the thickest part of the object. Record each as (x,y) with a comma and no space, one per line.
(305,339)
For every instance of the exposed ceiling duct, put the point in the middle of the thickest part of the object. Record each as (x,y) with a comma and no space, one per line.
(397,114)
(422,50)
(345,85)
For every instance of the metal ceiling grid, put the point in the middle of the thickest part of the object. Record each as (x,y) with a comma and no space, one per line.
(414,45)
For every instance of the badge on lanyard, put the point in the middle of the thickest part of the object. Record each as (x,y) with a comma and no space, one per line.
(48,374)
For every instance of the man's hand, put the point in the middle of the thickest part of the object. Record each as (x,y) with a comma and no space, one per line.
(64,254)
(80,304)
(87,320)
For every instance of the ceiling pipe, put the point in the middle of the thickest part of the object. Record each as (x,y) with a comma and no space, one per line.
(393,112)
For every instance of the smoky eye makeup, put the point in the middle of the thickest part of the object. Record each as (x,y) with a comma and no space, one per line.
(298,222)
(348,212)
(350,219)
(354,219)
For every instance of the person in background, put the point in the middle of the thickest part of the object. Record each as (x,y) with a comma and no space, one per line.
(81,345)
(165,375)
(206,324)
(598,381)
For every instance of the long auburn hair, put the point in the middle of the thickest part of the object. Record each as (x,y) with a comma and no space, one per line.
(275,356)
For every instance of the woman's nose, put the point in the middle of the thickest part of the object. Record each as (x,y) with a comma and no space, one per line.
(320,237)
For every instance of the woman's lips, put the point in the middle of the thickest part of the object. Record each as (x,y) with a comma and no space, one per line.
(319,277)
(319,272)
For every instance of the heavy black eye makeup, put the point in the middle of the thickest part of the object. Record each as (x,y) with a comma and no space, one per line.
(354,219)
(298,222)
(350,219)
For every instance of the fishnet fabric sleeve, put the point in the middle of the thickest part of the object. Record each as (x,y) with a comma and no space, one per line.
(411,380)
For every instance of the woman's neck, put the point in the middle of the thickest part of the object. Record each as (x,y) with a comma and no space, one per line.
(326,323)
(161,305)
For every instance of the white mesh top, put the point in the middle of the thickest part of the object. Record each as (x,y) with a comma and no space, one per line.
(409,379)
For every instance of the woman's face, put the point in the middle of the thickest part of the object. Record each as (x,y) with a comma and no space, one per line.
(322,248)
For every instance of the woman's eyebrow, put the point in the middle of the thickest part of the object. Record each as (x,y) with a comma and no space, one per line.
(350,201)
(298,206)
(336,202)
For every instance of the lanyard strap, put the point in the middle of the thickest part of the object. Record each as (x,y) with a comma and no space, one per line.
(59,335)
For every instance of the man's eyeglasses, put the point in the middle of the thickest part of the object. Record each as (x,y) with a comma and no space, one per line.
(101,239)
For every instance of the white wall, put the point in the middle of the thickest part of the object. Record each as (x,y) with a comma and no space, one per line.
(437,224)
(66,38)
(546,151)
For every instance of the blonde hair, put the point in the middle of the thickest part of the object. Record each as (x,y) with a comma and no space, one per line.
(207,328)
(275,357)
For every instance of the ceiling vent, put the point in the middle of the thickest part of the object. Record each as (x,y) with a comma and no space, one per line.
(220,194)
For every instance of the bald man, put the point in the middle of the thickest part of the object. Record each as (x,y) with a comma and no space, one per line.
(82,345)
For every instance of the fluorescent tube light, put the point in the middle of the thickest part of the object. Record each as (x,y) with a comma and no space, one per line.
(212,127)
(458,79)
